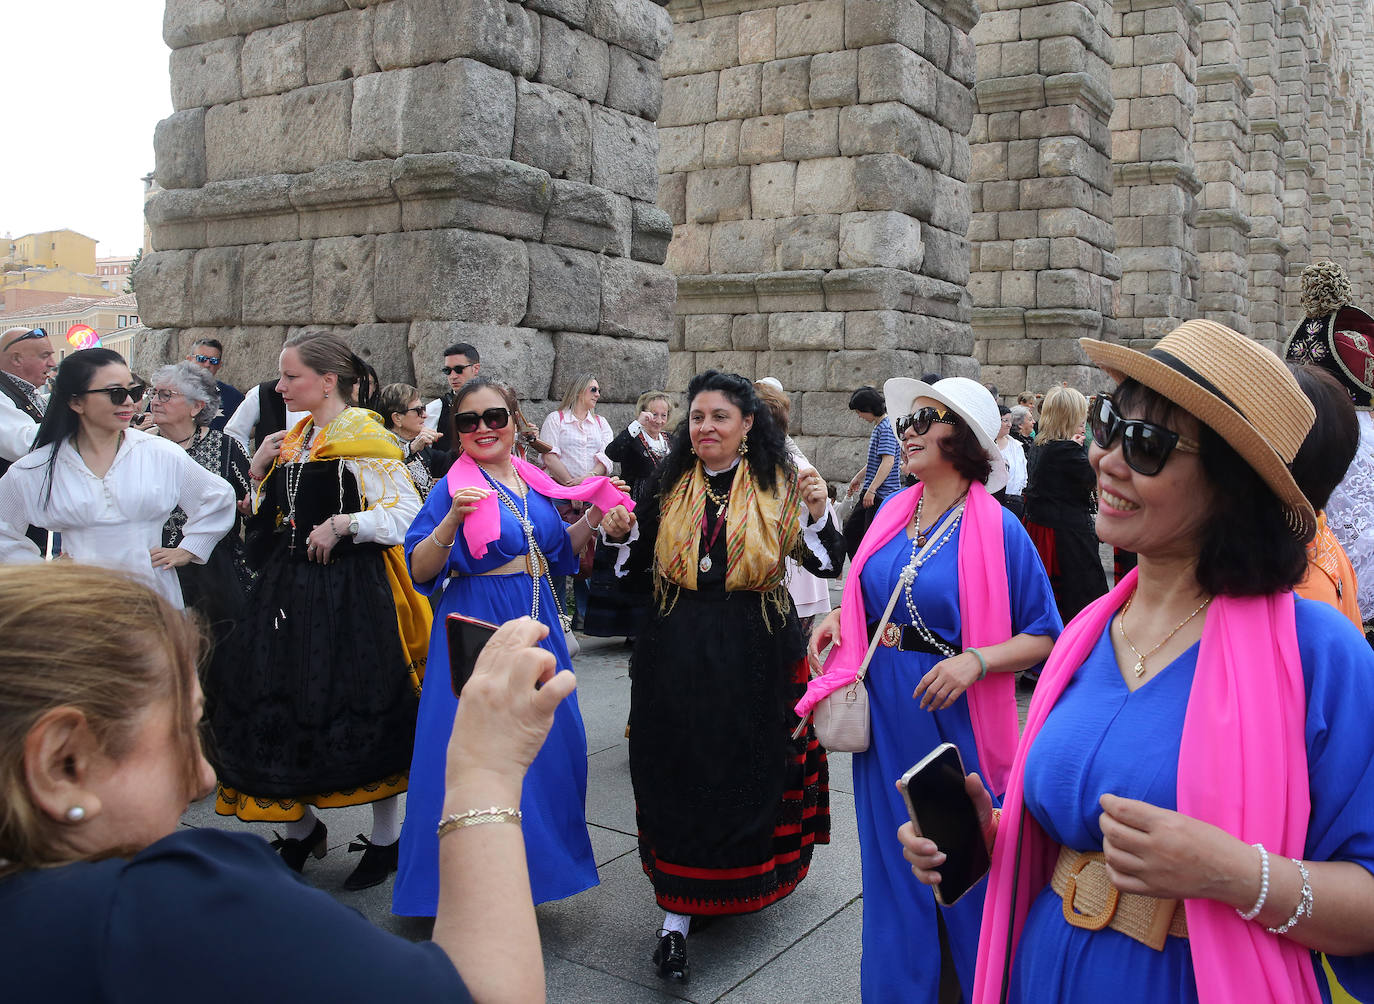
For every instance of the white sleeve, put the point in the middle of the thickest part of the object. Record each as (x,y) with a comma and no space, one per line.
(811,533)
(208,501)
(548,432)
(245,418)
(606,436)
(390,501)
(16,515)
(622,549)
(17,431)
(432,411)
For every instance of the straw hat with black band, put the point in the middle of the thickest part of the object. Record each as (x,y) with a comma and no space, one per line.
(968,399)
(1234,386)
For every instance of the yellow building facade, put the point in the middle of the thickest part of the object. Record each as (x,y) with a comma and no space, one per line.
(54,249)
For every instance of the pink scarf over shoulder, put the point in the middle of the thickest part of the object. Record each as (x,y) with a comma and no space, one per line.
(984,611)
(484,525)
(1242,767)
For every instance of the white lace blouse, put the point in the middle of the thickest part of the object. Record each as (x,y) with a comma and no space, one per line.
(1350,514)
(116,520)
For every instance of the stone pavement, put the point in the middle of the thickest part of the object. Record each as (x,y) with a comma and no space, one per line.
(597,945)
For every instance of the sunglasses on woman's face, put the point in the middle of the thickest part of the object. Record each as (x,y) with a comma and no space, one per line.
(1145,446)
(118,395)
(492,418)
(418,410)
(922,419)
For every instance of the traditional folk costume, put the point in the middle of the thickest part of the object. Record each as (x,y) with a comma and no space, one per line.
(115,521)
(488,576)
(1060,516)
(729,807)
(322,709)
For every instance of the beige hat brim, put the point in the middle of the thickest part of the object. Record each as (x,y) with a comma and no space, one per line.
(1120,363)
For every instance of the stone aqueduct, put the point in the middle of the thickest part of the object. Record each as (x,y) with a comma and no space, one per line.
(828,192)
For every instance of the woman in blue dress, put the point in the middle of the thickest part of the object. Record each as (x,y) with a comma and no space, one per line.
(488,575)
(980,608)
(1189,813)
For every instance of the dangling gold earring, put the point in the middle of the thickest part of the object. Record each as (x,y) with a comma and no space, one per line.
(744,446)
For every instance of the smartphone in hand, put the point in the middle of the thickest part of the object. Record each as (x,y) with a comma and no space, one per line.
(942,810)
(466,637)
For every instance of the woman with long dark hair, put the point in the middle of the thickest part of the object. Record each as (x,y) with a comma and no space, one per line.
(729,805)
(107,488)
(322,711)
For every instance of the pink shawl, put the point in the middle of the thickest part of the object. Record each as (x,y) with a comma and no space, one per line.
(1242,767)
(484,525)
(984,609)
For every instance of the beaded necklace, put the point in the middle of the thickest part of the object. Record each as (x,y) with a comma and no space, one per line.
(294,472)
(917,562)
(522,516)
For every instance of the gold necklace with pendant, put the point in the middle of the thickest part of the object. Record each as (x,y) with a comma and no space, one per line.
(1139,668)
(722,503)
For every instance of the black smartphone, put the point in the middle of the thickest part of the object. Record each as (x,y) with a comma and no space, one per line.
(942,810)
(466,636)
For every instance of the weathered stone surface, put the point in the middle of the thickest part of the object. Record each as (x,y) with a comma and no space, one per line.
(415,32)
(740,91)
(806,28)
(652,230)
(163,279)
(459,105)
(786,85)
(638,25)
(346,197)
(720,144)
(825,186)
(689,100)
(680,149)
(249,15)
(635,85)
(706,332)
(573,12)
(890,181)
(206,74)
(624,366)
(834,79)
(384,348)
(179,149)
(886,239)
(770,189)
(273,60)
(186,22)
(521,357)
(343,269)
(553,131)
(624,154)
(873,22)
(761,139)
(277,283)
(708,44)
(315,126)
(716,195)
(806,330)
(572,60)
(450,275)
(636,299)
(808,242)
(743,246)
(216,287)
(583,216)
(794,291)
(339,46)
(565,289)
(895,73)
(810,134)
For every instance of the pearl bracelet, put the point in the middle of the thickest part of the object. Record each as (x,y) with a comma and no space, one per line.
(476,817)
(1264,885)
(1304,907)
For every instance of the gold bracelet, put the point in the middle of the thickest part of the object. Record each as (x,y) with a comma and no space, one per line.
(476,817)
(440,543)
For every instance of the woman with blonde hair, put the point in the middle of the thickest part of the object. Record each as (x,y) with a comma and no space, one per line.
(104,895)
(1061,503)
(322,712)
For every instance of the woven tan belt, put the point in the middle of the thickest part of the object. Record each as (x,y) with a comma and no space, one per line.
(1092,902)
(523,564)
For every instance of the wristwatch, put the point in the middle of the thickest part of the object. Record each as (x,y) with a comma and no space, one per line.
(353,525)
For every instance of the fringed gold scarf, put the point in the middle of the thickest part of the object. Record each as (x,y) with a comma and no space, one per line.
(761,530)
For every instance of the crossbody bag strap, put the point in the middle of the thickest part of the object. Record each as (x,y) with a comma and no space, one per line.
(903,580)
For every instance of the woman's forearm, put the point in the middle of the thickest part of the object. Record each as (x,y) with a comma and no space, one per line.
(584,529)
(429,557)
(1019,652)
(884,468)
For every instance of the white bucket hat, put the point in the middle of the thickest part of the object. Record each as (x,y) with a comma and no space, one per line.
(968,399)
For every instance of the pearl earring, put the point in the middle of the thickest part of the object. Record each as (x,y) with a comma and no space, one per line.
(75,814)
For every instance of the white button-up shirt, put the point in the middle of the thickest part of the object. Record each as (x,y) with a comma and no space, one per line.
(581,445)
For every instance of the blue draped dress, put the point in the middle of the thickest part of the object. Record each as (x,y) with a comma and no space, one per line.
(1102,737)
(554,800)
(901,947)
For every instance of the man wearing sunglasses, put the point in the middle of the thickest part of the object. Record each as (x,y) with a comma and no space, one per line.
(462,362)
(208,354)
(26,361)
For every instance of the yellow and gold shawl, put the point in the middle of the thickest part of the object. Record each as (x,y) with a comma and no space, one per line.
(761,530)
(358,434)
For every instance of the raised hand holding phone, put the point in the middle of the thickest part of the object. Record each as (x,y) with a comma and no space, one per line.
(949,838)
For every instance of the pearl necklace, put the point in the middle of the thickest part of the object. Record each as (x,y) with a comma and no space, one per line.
(918,561)
(522,516)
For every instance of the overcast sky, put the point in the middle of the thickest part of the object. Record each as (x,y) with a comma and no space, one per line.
(86,84)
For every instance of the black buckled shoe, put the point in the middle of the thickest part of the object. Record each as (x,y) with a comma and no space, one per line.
(294,852)
(377,863)
(671,957)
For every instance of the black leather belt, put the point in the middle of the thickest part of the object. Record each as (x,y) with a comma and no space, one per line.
(905,638)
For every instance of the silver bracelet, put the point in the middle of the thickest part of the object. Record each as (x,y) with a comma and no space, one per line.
(1304,907)
(589,522)
(1264,885)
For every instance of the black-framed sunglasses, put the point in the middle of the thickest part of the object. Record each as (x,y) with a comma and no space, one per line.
(1145,446)
(457,369)
(207,360)
(418,410)
(923,418)
(118,395)
(493,418)
(32,333)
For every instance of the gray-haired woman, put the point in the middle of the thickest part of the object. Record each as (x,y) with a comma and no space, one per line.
(183,402)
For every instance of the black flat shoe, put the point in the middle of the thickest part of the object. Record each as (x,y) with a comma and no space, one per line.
(294,852)
(671,957)
(377,863)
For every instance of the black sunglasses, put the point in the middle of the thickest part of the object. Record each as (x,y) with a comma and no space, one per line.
(118,395)
(1144,445)
(419,409)
(208,360)
(26,336)
(494,418)
(457,369)
(922,419)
